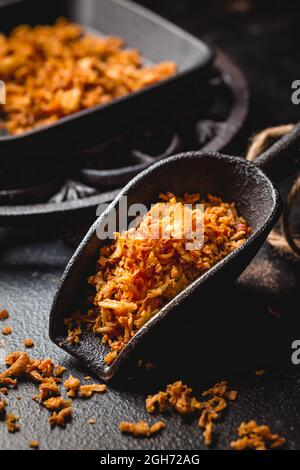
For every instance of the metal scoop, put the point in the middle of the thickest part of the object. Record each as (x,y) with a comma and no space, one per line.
(249,185)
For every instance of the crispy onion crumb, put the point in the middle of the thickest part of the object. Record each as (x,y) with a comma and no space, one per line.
(138,274)
(260,373)
(12,423)
(255,437)
(28,343)
(4,315)
(86,391)
(45,373)
(3,405)
(53,71)
(7,330)
(141,429)
(61,418)
(34,444)
(180,397)
(72,385)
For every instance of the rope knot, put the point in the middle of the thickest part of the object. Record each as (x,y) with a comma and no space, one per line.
(284,241)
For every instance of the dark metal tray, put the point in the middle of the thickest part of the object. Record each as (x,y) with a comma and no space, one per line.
(96,175)
(156,38)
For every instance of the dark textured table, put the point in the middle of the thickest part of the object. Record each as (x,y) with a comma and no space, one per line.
(236,334)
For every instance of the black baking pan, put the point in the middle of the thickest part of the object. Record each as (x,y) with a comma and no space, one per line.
(110,165)
(249,185)
(156,38)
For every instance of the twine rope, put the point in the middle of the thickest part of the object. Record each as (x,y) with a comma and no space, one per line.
(284,240)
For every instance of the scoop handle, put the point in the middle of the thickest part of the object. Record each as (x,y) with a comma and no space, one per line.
(283,158)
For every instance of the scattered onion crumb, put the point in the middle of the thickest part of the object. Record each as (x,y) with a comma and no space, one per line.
(34,444)
(7,330)
(11,421)
(28,343)
(56,403)
(47,388)
(259,373)
(110,357)
(208,433)
(157,402)
(86,391)
(179,397)
(60,418)
(72,385)
(4,315)
(40,371)
(45,374)
(253,436)
(59,370)
(141,429)
(3,405)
